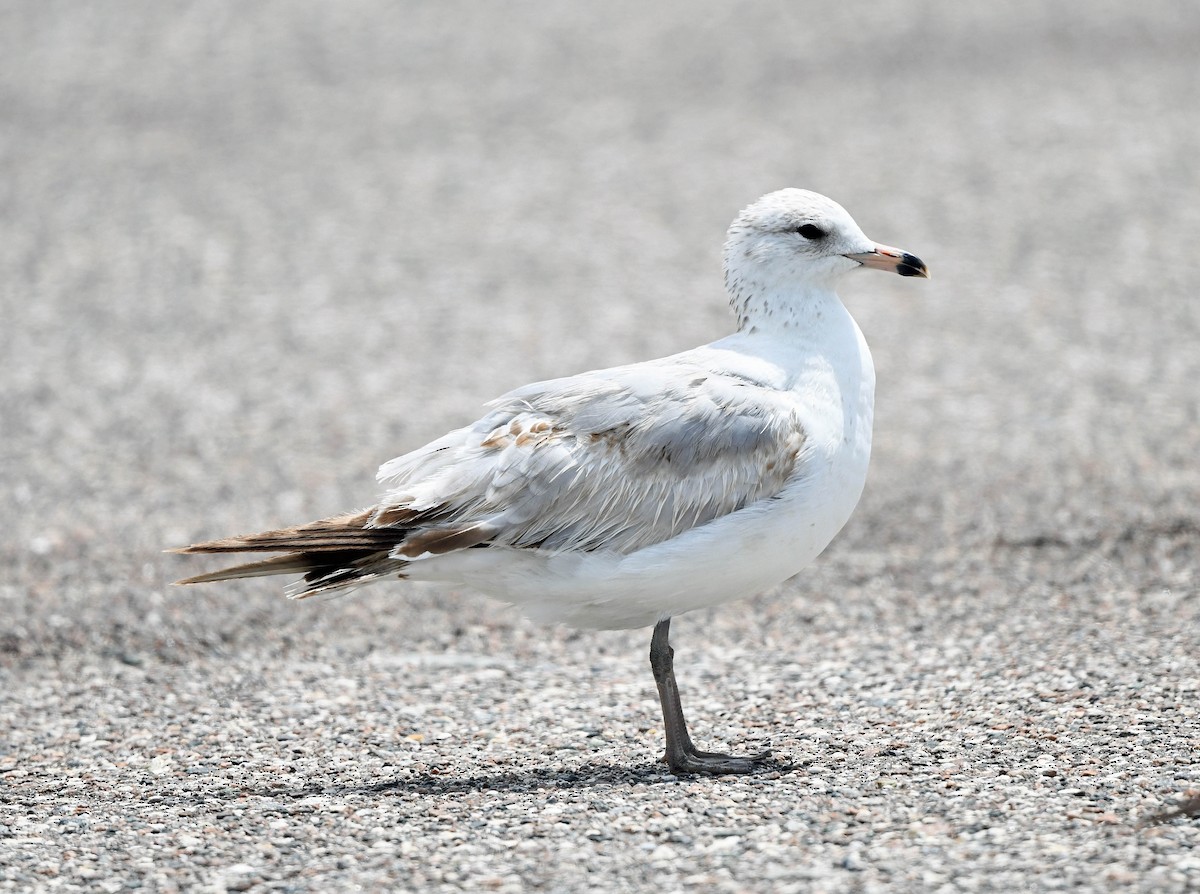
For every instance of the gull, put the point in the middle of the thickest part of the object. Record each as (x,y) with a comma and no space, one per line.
(623,497)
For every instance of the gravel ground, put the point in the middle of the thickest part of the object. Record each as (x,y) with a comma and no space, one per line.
(249,251)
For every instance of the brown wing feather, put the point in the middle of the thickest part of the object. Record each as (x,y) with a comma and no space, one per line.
(338,532)
(331,553)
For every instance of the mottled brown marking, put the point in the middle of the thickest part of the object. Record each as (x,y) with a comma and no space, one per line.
(495,439)
(394,515)
(538,434)
(444,540)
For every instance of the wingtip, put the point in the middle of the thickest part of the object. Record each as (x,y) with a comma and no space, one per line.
(198,579)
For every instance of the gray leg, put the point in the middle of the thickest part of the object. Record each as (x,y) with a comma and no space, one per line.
(682,755)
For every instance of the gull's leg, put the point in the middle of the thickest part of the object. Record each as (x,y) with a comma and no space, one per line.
(682,755)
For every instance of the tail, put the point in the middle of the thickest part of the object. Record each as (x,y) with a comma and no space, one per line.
(333,554)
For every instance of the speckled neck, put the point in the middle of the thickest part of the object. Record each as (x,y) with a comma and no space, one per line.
(760,307)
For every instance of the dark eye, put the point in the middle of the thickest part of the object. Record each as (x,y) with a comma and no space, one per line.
(809,231)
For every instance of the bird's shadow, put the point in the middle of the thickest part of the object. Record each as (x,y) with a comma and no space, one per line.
(525,780)
(587,776)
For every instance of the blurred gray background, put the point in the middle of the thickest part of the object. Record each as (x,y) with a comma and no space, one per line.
(249,251)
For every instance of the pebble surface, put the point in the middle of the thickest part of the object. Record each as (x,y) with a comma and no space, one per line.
(250,253)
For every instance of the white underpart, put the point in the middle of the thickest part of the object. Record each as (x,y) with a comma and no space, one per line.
(798,372)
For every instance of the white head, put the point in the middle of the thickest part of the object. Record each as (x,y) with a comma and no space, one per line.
(796,243)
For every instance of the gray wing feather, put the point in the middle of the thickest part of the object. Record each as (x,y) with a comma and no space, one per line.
(617,460)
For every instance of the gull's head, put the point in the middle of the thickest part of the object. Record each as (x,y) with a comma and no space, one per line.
(796,241)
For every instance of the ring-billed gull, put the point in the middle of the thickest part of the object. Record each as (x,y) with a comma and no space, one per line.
(622,497)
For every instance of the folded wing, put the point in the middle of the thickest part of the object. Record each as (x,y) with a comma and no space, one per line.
(618,460)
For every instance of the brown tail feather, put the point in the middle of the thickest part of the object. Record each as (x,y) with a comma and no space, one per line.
(292,563)
(333,553)
(340,532)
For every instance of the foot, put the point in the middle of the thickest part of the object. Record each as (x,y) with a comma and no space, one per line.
(691,762)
